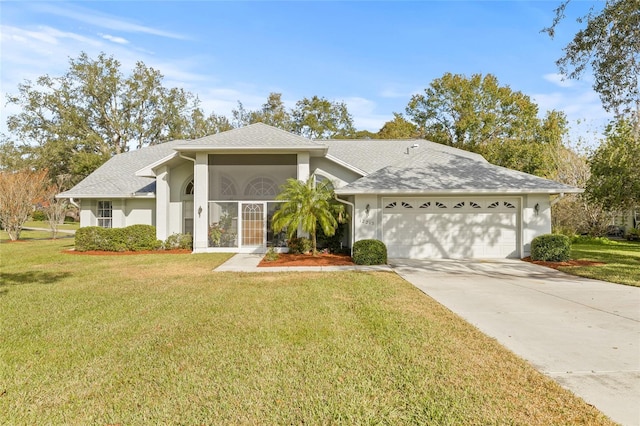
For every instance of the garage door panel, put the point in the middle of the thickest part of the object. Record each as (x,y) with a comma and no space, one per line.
(474,233)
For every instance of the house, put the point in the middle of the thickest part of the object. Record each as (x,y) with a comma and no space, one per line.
(423,199)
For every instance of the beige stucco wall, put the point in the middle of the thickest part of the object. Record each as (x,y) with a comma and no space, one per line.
(339,175)
(535,223)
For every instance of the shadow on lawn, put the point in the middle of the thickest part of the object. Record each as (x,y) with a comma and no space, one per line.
(32,277)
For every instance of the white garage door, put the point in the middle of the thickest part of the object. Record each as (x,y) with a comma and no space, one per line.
(450,227)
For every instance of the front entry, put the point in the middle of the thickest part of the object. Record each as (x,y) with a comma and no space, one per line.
(253,225)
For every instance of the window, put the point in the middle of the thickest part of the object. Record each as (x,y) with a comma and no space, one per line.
(459,205)
(227,188)
(407,205)
(390,205)
(474,205)
(189,188)
(105,214)
(508,205)
(261,187)
(426,205)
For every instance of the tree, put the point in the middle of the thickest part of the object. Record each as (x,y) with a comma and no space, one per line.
(609,44)
(96,111)
(319,118)
(306,205)
(200,125)
(615,168)
(469,113)
(55,208)
(479,115)
(273,113)
(19,191)
(398,128)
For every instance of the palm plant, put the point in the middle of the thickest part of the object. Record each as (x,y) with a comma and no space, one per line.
(307,205)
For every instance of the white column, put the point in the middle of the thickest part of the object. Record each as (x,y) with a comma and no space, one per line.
(162,203)
(201,201)
(303,166)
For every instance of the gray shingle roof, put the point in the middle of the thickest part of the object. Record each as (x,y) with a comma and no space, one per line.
(256,135)
(437,172)
(370,155)
(117,178)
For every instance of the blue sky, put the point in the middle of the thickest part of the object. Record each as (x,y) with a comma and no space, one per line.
(371,55)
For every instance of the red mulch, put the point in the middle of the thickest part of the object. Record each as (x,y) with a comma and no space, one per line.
(126,253)
(322,259)
(555,265)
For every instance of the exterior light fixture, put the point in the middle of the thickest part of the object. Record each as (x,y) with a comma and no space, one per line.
(536,209)
(199,211)
(366,209)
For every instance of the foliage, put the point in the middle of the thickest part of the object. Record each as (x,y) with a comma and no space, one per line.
(55,208)
(299,245)
(271,255)
(369,252)
(178,241)
(222,233)
(319,118)
(333,242)
(307,205)
(609,44)
(478,114)
(38,215)
(71,124)
(398,128)
(633,234)
(131,238)
(615,169)
(19,192)
(551,248)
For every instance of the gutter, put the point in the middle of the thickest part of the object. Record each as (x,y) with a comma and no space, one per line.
(73,203)
(353,212)
(557,200)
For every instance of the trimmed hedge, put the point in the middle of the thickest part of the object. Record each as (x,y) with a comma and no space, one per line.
(131,238)
(551,248)
(369,252)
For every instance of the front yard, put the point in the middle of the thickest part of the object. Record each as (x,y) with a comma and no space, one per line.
(151,339)
(621,260)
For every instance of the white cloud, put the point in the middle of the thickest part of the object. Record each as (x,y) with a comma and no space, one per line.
(559,80)
(114,39)
(103,20)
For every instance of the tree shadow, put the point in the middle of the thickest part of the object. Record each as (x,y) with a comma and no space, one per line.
(31,277)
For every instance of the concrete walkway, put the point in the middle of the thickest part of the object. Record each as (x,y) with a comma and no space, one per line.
(248,262)
(60,231)
(585,334)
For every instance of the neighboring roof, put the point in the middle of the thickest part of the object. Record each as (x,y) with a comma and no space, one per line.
(369,155)
(253,137)
(439,172)
(117,177)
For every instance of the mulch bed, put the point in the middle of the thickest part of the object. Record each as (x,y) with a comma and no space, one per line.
(322,259)
(126,253)
(556,265)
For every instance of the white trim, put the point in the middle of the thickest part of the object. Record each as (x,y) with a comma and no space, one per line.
(147,171)
(346,165)
(429,193)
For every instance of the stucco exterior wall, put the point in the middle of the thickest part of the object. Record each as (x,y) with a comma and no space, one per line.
(367,223)
(125,212)
(339,175)
(534,222)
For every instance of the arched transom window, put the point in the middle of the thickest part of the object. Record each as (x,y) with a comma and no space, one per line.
(188,190)
(227,188)
(261,187)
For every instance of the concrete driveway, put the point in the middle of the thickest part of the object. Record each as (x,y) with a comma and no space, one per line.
(585,334)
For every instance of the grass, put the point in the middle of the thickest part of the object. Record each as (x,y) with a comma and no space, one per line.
(43,224)
(151,339)
(621,260)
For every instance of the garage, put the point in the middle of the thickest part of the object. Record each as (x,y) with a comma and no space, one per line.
(442,227)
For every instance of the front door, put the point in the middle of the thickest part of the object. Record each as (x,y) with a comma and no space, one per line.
(253,229)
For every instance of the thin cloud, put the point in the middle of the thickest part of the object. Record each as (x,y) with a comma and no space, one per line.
(114,39)
(105,21)
(559,80)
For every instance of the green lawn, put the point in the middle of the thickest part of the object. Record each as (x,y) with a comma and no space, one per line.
(160,339)
(621,258)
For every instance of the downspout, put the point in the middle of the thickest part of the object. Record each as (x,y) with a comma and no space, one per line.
(74,204)
(353,212)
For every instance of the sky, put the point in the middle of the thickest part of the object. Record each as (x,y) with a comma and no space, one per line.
(371,55)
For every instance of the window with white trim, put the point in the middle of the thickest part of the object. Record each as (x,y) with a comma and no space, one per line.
(104,214)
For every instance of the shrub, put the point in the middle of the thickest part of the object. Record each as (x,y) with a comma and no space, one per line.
(271,255)
(551,248)
(131,238)
(39,216)
(299,245)
(178,241)
(369,252)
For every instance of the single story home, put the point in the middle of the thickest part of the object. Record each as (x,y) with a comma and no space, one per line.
(422,199)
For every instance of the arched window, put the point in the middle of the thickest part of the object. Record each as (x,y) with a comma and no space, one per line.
(188,190)
(261,187)
(227,188)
